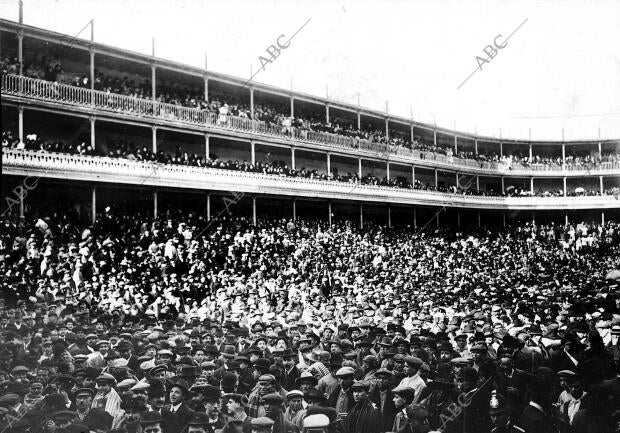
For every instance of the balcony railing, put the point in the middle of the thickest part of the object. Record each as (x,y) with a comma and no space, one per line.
(67,94)
(114,170)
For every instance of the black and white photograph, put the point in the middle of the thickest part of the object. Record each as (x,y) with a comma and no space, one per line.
(326,216)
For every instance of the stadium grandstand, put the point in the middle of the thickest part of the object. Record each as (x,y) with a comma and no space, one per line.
(184,250)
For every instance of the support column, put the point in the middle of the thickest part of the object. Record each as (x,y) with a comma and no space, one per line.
(153,77)
(359,167)
(292,158)
(503,219)
(458,218)
(476,146)
(435,137)
(387,129)
(565,218)
(20,51)
(253,151)
(532,185)
(92,67)
(20,123)
(292,106)
(361,215)
(92,132)
(411,130)
(206,79)
(359,121)
(412,175)
(456,146)
(389,217)
(388,171)
(208,207)
(600,181)
(294,209)
(533,218)
(329,212)
(477,183)
(436,183)
(457,180)
(154,131)
(563,154)
(93,204)
(329,165)
(531,153)
(600,150)
(21,205)
(503,188)
(603,217)
(326,113)
(254,211)
(155,204)
(415,219)
(564,185)
(501,149)
(479,220)
(207,146)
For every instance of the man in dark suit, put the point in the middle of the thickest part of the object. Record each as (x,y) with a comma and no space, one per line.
(291,372)
(509,377)
(125,349)
(95,418)
(178,413)
(384,398)
(567,359)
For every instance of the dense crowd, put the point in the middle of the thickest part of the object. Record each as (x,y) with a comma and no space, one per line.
(231,104)
(187,325)
(129,150)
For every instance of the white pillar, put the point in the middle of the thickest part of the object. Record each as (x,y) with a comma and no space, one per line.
(329,165)
(564,185)
(600,149)
(154,131)
(92,67)
(389,217)
(254,210)
(292,106)
(531,153)
(153,77)
(387,129)
(603,217)
(329,213)
(20,51)
(359,121)
(412,175)
(436,182)
(207,146)
(415,219)
(292,158)
(600,181)
(20,123)
(457,180)
(479,220)
(501,149)
(563,154)
(93,204)
(361,216)
(359,167)
(155,204)
(458,218)
(206,80)
(456,147)
(565,218)
(411,131)
(92,132)
(532,185)
(294,210)
(477,183)
(327,113)
(253,150)
(503,188)
(435,137)
(476,146)
(208,207)
(388,171)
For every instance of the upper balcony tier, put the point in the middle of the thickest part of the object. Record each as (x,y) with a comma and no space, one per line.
(108,170)
(312,121)
(57,96)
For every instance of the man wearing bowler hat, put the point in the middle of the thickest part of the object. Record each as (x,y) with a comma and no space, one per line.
(178,413)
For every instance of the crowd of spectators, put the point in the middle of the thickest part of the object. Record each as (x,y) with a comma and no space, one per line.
(128,150)
(186,325)
(278,115)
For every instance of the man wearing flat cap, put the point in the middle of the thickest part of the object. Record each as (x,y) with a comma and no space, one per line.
(364,416)
(262,425)
(106,397)
(97,358)
(341,398)
(95,418)
(273,411)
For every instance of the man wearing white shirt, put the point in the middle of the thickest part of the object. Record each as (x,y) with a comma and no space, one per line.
(413,379)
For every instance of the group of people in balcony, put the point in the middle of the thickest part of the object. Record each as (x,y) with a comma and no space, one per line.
(131,151)
(226,104)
